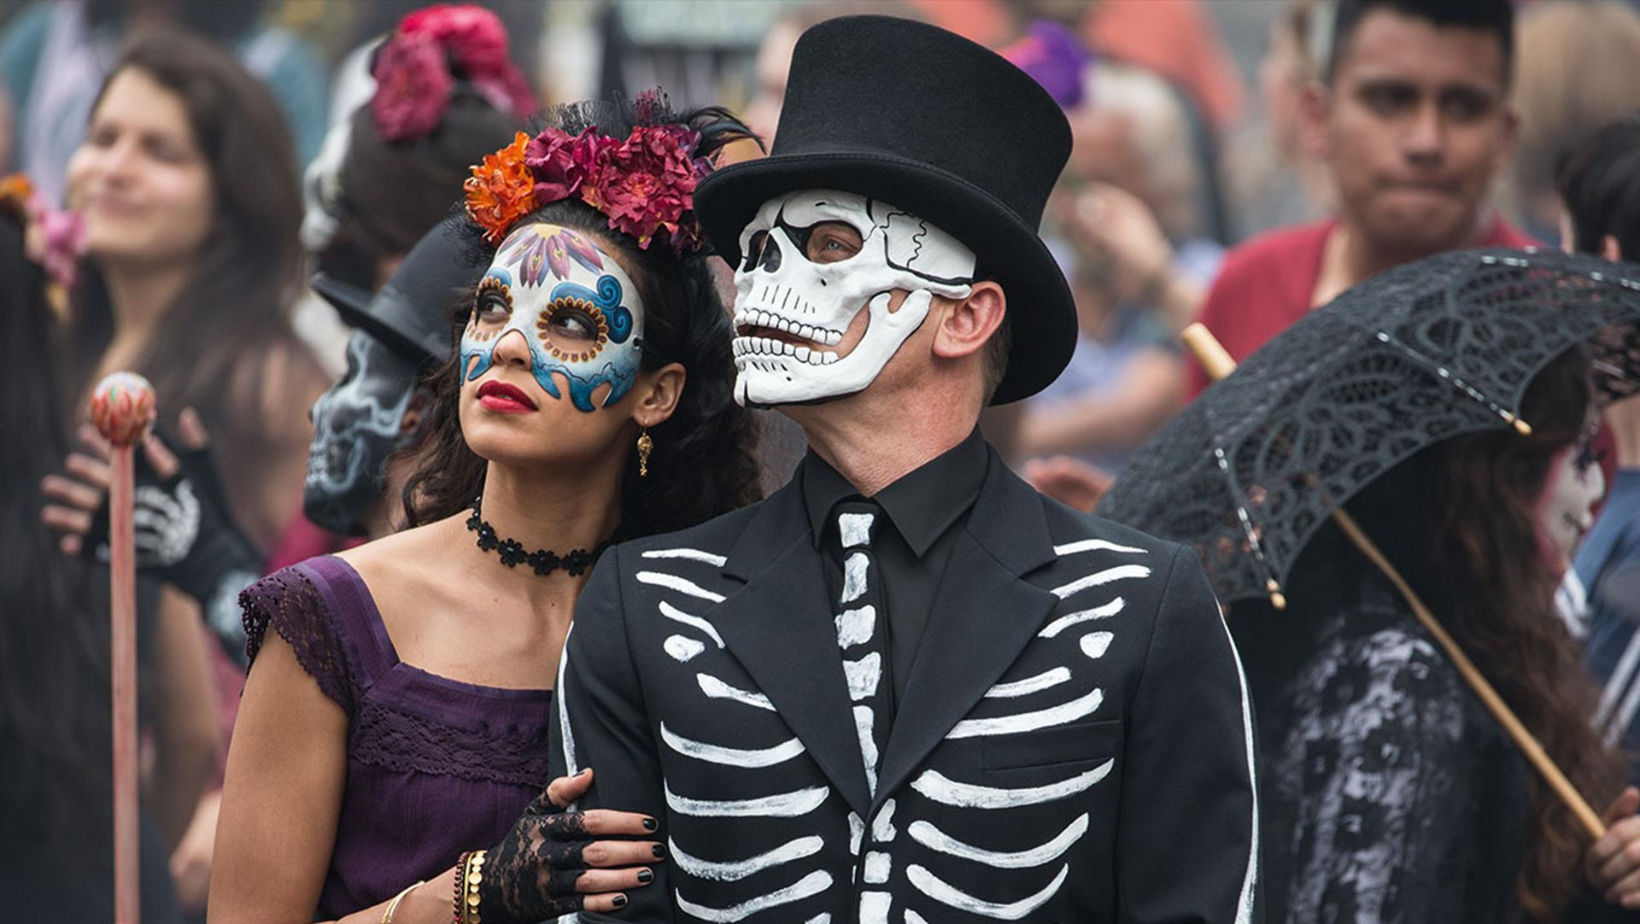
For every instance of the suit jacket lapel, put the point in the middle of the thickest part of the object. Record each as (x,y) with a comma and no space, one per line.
(781,629)
(984,615)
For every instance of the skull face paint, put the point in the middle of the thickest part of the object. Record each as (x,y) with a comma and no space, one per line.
(357,425)
(572,303)
(1565,508)
(781,288)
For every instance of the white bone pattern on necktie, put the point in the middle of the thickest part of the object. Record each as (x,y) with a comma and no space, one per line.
(862,637)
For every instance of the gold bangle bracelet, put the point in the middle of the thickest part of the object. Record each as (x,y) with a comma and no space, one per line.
(392,906)
(472,877)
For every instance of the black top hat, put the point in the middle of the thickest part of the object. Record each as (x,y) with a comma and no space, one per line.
(936,125)
(410,315)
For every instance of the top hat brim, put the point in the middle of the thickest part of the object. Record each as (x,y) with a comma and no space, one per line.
(364,311)
(1040,308)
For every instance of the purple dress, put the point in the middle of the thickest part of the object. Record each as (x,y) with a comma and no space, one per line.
(434,766)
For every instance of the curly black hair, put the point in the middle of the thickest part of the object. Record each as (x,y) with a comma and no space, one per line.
(704,460)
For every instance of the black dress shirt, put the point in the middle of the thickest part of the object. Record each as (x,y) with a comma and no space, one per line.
(925,509)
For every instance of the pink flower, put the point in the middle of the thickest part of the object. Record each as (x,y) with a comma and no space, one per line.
(561,162)
(474,36)
(644,185)
(412,87)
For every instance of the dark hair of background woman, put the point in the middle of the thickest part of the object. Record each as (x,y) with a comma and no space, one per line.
(703,463)
(1470,548)
(231,319)
(391,192)
(53,655)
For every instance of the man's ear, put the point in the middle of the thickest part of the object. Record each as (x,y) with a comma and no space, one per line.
(966,326)
(658,394)
(1610,249)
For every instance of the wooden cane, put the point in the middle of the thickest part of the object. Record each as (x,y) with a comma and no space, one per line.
(1219,364)
(122,407)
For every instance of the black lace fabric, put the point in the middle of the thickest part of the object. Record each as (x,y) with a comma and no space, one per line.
(1448,345)
(1389,794)
(530,876)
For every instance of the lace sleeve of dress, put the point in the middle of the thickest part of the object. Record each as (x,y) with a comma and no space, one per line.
(1373,765)
(288,602)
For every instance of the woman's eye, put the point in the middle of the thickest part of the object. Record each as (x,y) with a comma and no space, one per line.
(491,308)
(574,325)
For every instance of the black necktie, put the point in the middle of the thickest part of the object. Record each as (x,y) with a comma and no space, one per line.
(863,633)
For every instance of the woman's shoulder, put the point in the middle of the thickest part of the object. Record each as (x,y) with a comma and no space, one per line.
(321,610)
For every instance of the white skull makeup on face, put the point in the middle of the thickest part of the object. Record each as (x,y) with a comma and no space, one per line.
(1565,509)
(791,310)
(574,305)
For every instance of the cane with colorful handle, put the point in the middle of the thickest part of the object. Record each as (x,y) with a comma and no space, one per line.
(122,407)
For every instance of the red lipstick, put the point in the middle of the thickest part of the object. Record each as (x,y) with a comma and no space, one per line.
(504,399)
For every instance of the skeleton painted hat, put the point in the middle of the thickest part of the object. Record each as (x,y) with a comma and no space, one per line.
(938,126)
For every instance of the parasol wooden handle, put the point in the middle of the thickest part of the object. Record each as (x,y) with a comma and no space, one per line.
(1218,363)
(122,407)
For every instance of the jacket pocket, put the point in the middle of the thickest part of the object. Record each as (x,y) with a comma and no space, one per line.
(1060,744)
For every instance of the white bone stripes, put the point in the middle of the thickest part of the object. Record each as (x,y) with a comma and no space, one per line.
(566,734)
(1029,721)
(854,578)
(854,529)
(736,870)
(682,648)
(717,561)
(731,757)
(1094,545)
(807,887)
(854,627)
(945,791)
(1034,684)
(717,689)
(934,839)
(781,805)
(930,885)
(1101,578)
(882,827)
(864,719)
(1249,880)
(1102,611)
(862,676)
(695,622)
(681,585)
(1094,644)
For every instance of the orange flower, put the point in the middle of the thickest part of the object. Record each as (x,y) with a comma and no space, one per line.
(501,190)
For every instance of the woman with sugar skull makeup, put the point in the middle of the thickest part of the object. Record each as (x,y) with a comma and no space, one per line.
(396,711)
(906,686)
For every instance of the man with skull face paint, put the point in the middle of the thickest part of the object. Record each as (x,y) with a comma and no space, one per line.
(906,686)
(375,411)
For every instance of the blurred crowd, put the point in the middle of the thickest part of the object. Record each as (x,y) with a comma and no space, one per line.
(221,155)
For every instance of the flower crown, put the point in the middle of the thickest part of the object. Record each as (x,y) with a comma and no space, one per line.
(52,239)
(417,67)
(644,184)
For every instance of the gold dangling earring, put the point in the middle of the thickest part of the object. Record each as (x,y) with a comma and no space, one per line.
(645,447)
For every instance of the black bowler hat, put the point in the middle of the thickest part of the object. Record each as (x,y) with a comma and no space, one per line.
(410,315)
(934,124)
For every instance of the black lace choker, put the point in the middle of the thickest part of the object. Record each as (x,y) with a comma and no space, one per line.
(544,562)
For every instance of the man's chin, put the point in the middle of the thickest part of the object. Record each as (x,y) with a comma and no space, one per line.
(1412,235)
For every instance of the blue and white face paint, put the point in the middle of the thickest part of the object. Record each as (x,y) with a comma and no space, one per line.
(573,304)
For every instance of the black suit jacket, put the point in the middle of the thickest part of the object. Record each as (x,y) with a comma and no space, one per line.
(1074,743)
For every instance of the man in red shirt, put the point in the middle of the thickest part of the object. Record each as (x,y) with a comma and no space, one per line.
(1413,122)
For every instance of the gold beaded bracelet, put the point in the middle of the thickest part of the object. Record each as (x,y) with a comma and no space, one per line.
(471,877)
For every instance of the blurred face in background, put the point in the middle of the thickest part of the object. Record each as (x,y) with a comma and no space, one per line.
(774,60)
(139,177)
(1414,127)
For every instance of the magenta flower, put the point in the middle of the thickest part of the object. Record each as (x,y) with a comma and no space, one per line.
(412,87)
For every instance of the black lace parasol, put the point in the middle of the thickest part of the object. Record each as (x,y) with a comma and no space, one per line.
(1249,471)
